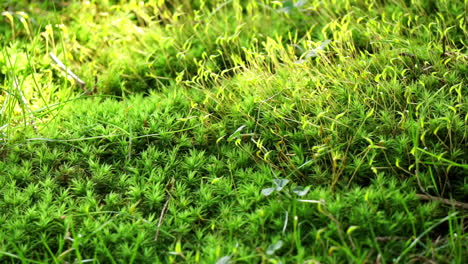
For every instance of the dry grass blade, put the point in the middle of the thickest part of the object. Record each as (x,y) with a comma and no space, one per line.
(66,69)
(163,212)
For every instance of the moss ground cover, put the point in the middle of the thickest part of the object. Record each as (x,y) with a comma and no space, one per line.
(234,131)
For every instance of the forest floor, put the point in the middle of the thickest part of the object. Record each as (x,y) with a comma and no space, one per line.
(238,131)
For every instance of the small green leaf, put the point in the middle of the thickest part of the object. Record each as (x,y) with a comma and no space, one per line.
(268,191)
(351,229)
(224,260)
(301,191)
(280,183)
(273,248)
(370,113)
(178,247)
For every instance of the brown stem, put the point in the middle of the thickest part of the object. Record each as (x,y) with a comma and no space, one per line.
(443,200)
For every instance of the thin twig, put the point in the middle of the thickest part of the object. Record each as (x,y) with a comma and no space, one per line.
(163,212)
(66,69)
(443,200)
(389,238)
